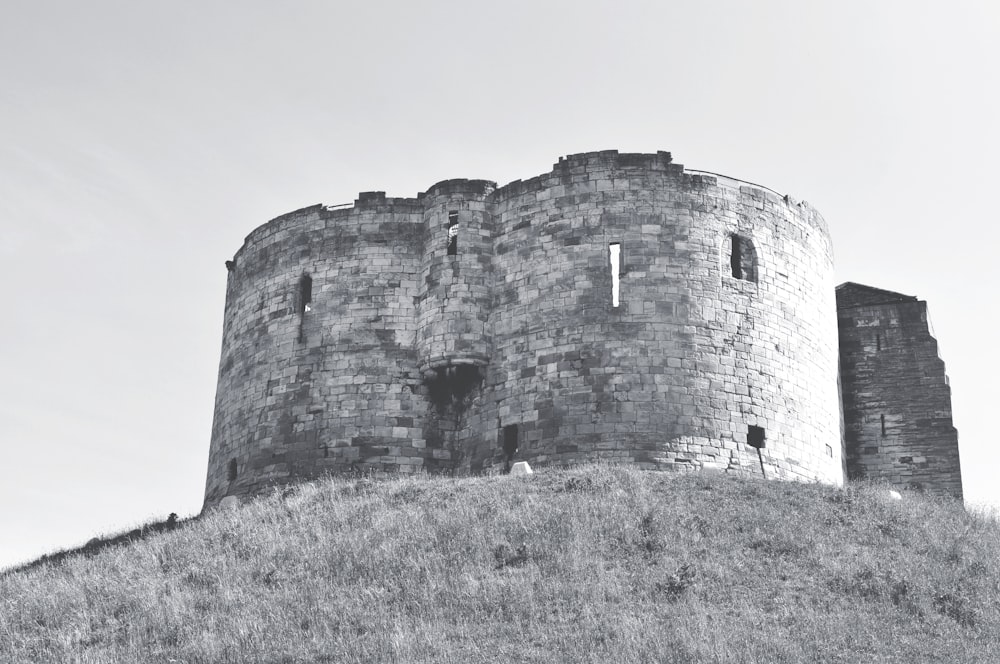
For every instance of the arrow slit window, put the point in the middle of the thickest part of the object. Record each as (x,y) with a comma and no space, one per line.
(453,233)
(615,255)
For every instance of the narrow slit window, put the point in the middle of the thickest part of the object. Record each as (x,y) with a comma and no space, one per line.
(453,233)
(736,258)
(756,437)
(742,258)
(615,254)
(231,472)
(882,420)
(878,342)
(305,293)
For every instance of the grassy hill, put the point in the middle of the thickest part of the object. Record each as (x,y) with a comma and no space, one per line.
(596,564)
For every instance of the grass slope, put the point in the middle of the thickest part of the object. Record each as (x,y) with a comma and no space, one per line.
(595,564)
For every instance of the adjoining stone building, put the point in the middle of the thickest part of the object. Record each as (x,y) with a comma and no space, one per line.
(897,401)
(616,308)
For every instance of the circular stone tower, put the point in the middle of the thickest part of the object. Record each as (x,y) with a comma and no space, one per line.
(616,308)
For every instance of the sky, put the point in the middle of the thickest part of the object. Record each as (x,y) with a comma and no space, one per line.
(140,143)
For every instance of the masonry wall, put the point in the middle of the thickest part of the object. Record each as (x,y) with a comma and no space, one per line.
(337,386)
(409,358)
(897,401)
(456,288)
(673,377)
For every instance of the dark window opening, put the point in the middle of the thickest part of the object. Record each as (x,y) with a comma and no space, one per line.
(882,419)
(305,293)
(615,254)
(231,474)
(509,445)
(878,342)
(453,233)
(742,258)
(756,437)
(736,258)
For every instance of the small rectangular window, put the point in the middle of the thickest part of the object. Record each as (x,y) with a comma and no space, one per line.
(756,437)
(510,440)
(742,258)
(453,233)
(615,254)
(882,420)
(878,342)
(509,445)
(231,474)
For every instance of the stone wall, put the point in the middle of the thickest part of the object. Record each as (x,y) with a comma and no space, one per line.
(306,388)
(407,356)
(674,376)
(897,402)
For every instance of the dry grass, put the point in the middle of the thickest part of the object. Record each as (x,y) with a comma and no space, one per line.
(596,564)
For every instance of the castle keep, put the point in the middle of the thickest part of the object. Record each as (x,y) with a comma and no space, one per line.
(617,308)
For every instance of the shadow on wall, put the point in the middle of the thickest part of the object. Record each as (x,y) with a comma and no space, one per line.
(451,391)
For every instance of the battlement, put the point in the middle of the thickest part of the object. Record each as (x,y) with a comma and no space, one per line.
(377,200)
(613,159)
(576,170)
(461,186)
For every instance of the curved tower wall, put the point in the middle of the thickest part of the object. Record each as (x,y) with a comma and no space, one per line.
(456,289)
(409,358)
(675,376)
(305,392)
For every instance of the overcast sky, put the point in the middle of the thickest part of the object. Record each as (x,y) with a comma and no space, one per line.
(140,142)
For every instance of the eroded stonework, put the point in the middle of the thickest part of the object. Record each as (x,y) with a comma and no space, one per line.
(897,401)
(474,326)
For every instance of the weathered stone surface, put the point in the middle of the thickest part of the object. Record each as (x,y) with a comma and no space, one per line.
(897,401)
(473,326)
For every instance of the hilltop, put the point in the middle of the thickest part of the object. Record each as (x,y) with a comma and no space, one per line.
(594,564)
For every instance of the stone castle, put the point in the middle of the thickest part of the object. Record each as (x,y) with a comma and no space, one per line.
(617,308)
